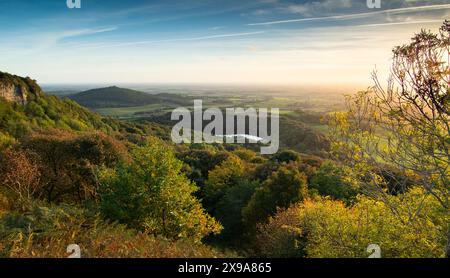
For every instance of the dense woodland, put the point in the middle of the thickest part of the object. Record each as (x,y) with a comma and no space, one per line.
(120,188)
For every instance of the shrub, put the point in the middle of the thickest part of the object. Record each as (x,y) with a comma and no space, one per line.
(327,228)
(20,177)
(245,154)
(45,232)
(6,141)
(33,109)
(68,162)
(286,156)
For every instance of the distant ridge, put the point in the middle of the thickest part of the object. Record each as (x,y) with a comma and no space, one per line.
(113,97)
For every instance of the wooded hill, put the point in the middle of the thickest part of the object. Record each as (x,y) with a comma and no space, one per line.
(121,97)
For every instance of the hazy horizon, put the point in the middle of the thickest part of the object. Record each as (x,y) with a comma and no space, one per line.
(199,87)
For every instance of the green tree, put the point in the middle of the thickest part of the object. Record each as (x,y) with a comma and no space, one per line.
(329,181)
(201,159)
(229,211)
(284,187)
(224,176)
(151,194)
(286,156)
(226,192)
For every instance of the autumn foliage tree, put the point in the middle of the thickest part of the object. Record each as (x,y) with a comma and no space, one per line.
(405,125)
(20,176)
(68,162)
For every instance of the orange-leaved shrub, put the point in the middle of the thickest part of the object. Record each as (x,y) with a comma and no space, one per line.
(45,232)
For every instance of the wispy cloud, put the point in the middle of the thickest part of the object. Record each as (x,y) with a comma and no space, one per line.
(45,40)
(31,41)
(211,37)
(85,32)
(399,23)
(357,15)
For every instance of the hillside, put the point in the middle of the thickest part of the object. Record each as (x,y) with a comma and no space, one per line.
(25,108)
(113,97)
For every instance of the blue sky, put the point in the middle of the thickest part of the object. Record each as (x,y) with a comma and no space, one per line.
(326,42)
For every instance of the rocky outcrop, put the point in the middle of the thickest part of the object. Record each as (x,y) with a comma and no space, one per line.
(18,89)
(14,93)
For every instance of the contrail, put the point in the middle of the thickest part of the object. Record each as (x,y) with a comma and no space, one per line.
(353,16)
(399,23)
(182,39)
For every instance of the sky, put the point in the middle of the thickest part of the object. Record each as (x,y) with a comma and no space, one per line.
(276,42)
